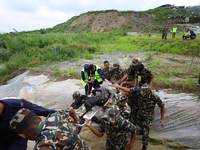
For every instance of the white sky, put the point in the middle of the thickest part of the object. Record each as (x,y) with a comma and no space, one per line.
(37,14)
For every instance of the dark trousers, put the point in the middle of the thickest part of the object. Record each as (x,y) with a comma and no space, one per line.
(88,88)
(164,35)
(173,34)
(19,144)
(185,37)
(96,84)
(192,37)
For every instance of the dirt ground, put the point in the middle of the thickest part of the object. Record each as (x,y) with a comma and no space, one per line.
(100,143)
(166,61)
(103,22)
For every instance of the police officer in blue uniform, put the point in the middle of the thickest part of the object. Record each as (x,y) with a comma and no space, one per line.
(9,140)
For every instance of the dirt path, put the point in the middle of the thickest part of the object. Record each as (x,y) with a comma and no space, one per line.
(174,66)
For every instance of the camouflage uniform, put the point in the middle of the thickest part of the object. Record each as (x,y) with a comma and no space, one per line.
(124,110)
(107,73)
(118,74)
(116,134)
(53,133)
(146,76)
(146,114)
(132,71)
(134,104)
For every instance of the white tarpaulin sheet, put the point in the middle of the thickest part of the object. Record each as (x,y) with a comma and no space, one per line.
(182,111)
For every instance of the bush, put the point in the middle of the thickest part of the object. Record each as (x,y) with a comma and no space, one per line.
(92,49)
(4,54)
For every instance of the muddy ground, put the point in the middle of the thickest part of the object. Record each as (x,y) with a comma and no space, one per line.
(166,61)
(158,65)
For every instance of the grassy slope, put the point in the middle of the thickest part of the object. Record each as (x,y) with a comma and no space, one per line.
(31,50)
(159,12)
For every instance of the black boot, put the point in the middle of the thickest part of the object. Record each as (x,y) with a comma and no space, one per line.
(198,84)
(144,147)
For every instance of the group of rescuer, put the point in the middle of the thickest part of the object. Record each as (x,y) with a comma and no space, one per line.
(133,106)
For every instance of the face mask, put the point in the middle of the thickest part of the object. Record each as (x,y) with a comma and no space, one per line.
(144,92)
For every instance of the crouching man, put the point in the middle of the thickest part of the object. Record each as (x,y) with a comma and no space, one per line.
(53,133)
(116,128)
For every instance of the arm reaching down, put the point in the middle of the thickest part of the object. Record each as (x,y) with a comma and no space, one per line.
(92,128)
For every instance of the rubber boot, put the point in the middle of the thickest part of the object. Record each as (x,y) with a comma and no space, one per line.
(198,84)
(144,147)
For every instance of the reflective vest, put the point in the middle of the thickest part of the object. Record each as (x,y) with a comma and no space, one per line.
(86,78)
(187,33)
(174,29)
(97,76)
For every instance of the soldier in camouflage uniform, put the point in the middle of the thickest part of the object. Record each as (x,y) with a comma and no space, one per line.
(121,102)
(131,72)
(116,128)
(146,75)
(146,112)
(117,72)
(53,133)
(107,71)
(142,105)
(133,94)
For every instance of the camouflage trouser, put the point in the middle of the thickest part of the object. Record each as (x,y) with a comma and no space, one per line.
(133,116)
(145,125)
(113,146)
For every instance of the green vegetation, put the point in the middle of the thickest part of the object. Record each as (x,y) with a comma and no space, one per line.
(158,13)
(162,13)
(23,50)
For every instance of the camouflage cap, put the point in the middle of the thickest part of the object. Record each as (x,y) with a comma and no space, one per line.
(134,61)
(113,113)
(76,94)
(19,117)
(115,65)
(120,98)
(144,89)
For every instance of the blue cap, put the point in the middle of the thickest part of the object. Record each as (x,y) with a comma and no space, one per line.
(86,67)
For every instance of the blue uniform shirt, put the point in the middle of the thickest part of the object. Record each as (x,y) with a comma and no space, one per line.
(9,139)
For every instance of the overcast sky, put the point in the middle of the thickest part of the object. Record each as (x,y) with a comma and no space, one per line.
(37,14)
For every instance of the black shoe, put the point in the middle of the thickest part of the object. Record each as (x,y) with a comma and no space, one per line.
(144,147)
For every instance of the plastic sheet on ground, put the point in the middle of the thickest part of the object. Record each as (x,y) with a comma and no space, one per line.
(182,119)
(182,113)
